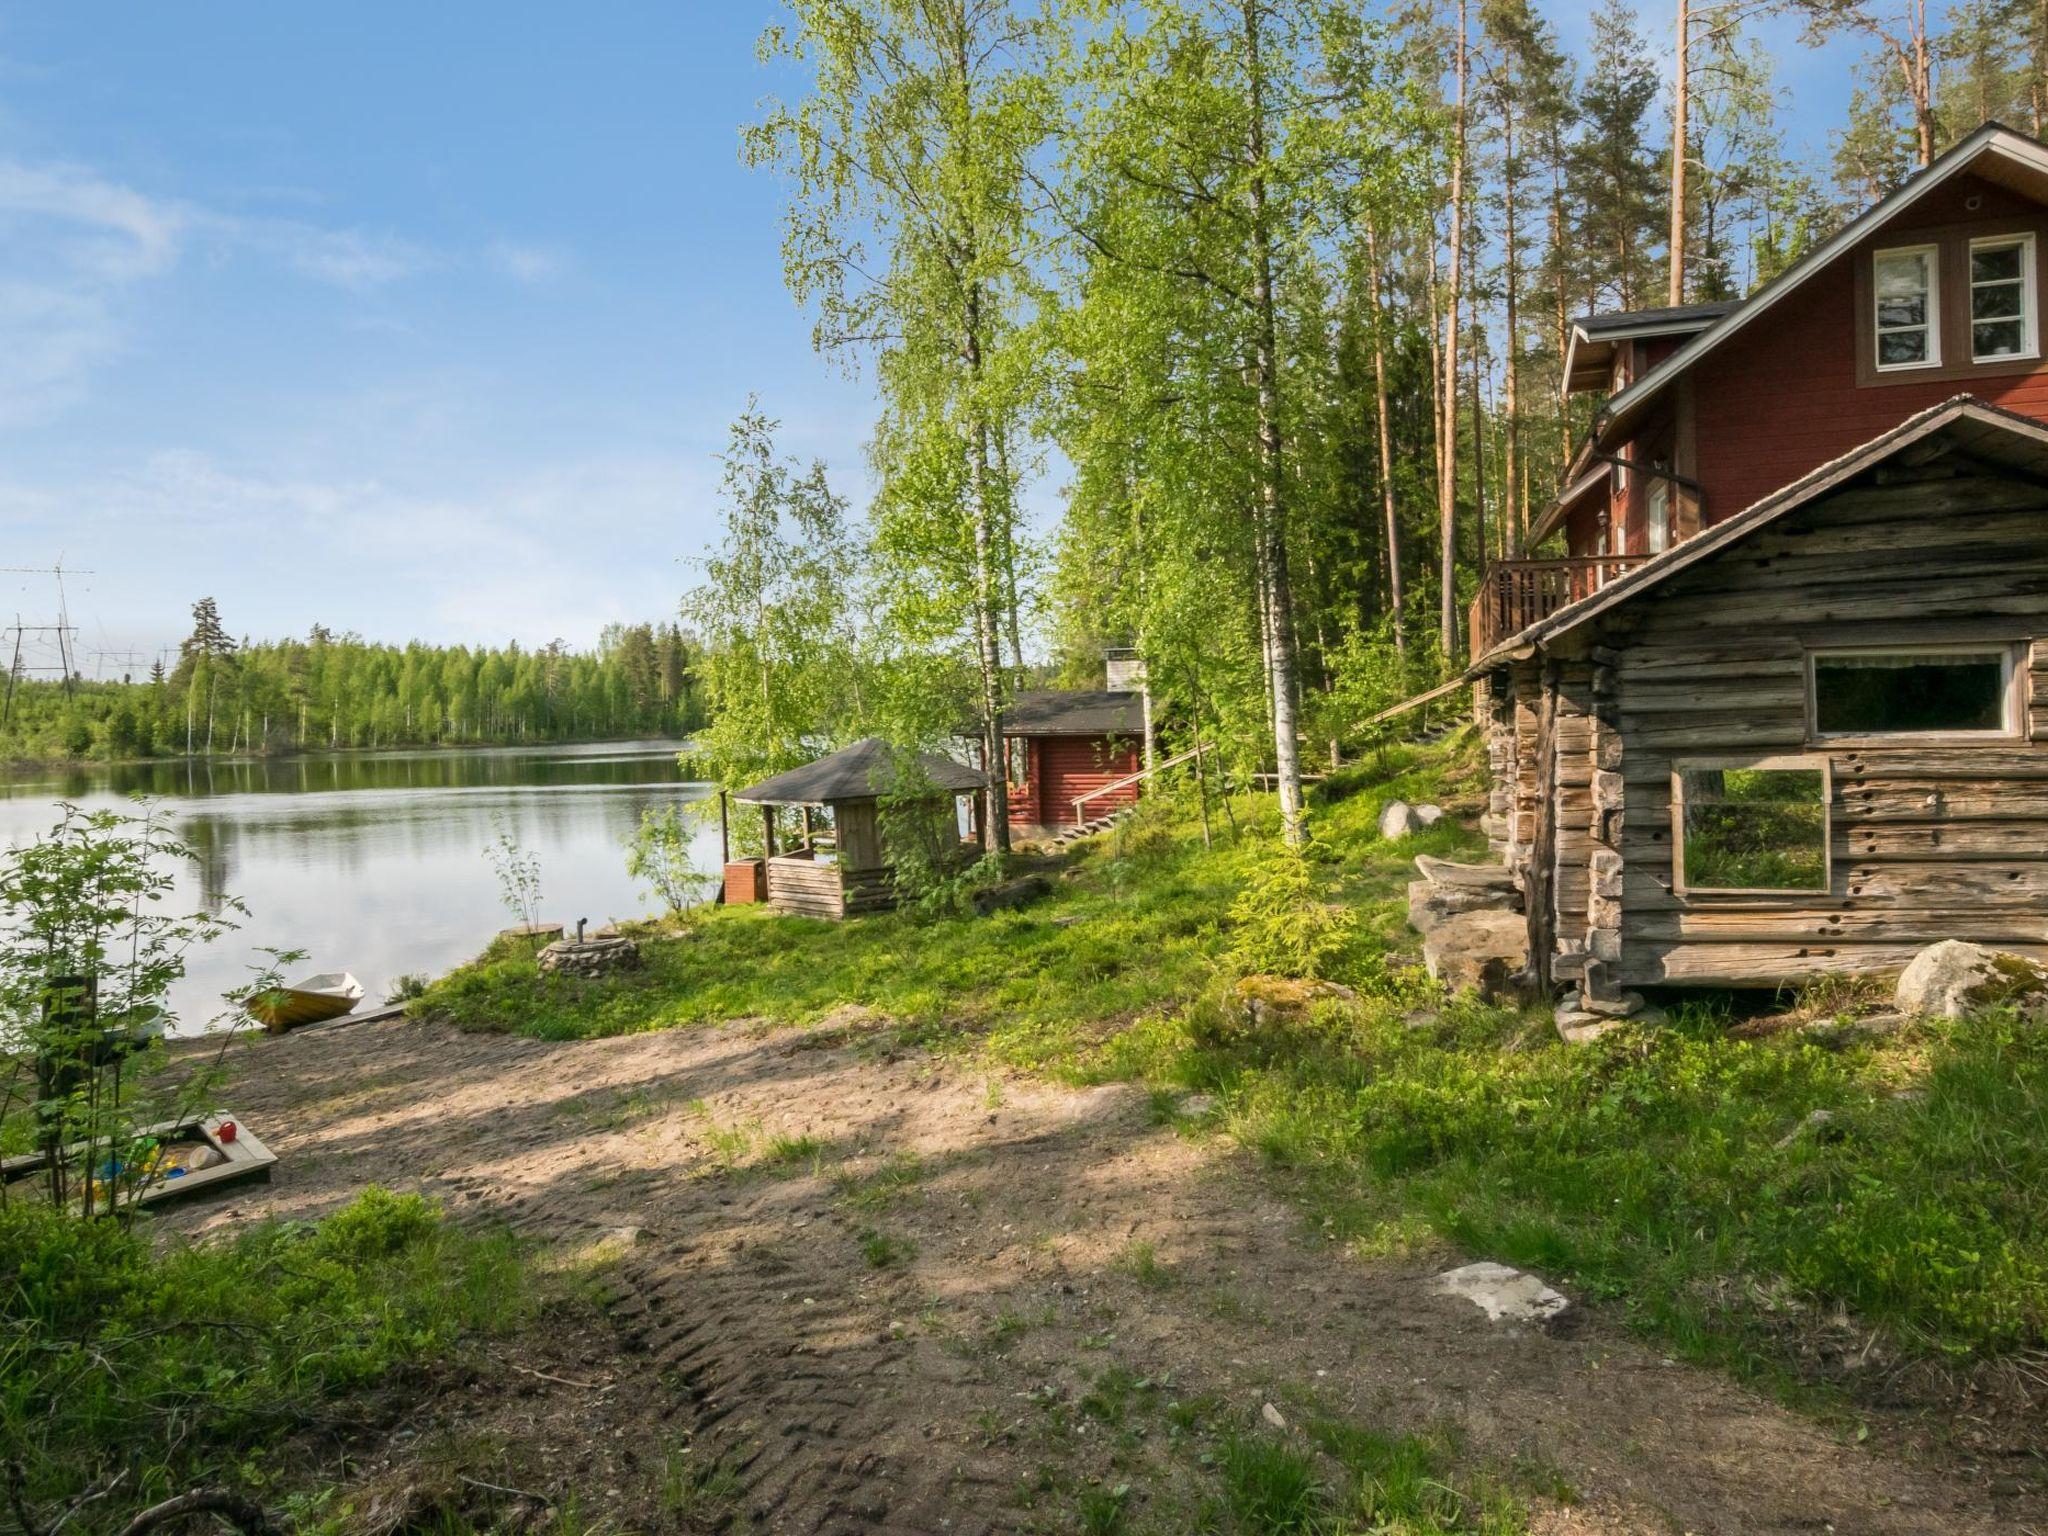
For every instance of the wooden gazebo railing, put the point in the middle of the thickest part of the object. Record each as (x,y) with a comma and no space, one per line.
(1514,594)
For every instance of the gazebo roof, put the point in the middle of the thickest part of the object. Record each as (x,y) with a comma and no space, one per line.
(864,771)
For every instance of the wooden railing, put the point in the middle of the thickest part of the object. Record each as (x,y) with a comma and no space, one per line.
(1517,593)
(1136,778)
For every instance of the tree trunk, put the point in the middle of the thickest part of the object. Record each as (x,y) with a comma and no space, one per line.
(986,631)
(1395,595)
(1271,532)
(1012,607)
(1447,483)
(1681,139)
(1511,449)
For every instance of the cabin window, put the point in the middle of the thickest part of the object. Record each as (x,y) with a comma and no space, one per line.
(1751,827)
(1658,516)
(1966,690)
(1908,318)
(1018,753)
(2002,322)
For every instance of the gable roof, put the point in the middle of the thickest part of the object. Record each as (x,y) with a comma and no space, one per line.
(1986,430)
(864,771)
(1994,150)
(1589,355)
(1074,712)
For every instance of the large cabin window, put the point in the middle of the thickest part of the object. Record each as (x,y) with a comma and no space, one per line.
(2002,320)
(1746,828)
(1964,690)
(1908,316)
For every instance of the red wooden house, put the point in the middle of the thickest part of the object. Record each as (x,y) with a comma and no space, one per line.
(1781,709)
(1072,757)
(1933,292)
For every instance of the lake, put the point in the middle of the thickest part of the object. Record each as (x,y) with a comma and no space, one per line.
(374,862)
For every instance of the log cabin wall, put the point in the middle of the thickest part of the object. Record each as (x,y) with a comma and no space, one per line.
(1929,840)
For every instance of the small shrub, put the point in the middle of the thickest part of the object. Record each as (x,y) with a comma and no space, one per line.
(1280,923)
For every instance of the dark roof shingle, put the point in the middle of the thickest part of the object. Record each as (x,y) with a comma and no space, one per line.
(864,771)
(1065,712)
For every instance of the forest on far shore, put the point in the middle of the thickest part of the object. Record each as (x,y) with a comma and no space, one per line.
(224,697)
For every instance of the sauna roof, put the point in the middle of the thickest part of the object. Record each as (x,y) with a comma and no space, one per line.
(1073,712)
(1963,422)
(864,771)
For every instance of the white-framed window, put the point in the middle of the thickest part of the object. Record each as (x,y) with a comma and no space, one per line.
(2002,319)
(1752,826)
(1657,514)
(1905,293)
(1913,691)
(1017,759)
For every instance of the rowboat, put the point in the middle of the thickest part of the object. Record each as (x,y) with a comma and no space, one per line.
(308,1001)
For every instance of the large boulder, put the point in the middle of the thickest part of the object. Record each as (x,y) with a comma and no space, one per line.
(1479,951)
(1953,978)
(1399,819)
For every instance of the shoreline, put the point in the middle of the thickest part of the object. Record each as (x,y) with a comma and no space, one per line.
(21,767)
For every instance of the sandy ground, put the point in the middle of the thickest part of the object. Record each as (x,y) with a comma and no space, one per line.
(1073,1298)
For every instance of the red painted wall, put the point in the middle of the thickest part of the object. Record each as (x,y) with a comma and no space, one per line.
(1781,398)
(1062,767)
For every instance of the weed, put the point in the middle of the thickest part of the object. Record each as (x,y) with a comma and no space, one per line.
(896,1180)
(1140,1260)
(1269,1486)
(694,1488)
(1101,1510)
(881,1251)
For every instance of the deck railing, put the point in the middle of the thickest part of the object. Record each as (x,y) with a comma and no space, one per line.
(1517,593)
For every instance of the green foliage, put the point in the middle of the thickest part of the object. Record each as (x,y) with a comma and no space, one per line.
(168,1368)
(658,855)
(1282,923)
(87,960)
(773,610)
(343,691)
(518,872)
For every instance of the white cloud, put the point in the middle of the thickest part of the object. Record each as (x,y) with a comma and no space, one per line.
(76,247)
(529,264)
(552,549)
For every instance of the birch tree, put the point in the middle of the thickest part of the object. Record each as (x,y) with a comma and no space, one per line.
(908,231)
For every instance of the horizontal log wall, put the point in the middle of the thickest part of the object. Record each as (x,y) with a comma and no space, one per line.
(1928,842)
(805,888)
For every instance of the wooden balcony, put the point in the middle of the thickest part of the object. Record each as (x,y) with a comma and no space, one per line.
(1514,594)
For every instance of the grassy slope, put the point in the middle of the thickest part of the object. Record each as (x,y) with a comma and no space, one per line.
(184,1366)
(1670,1172)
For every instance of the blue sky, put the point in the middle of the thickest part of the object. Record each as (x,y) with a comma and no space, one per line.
(419,320)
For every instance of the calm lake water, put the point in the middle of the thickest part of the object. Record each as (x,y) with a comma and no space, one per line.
(374,862)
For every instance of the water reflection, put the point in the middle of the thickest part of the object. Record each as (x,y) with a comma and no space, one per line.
(374,863)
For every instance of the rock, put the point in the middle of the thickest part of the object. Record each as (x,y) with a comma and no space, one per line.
(1481,951)
(1398,820)
(1197,1105)
(1269,999)
(1429,815)
(1577,1027)
(1816,1125)
(593,957)
(1273,1416)
(1447,889)
(1010,893)
(1614,1007)
(1503,1294)
(1953,978)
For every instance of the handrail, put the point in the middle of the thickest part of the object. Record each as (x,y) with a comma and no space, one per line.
(1513,594)
(1138,777)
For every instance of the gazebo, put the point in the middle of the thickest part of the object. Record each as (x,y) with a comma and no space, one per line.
(852,874)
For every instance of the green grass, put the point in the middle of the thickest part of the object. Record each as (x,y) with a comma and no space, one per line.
(1645,1171)
(171,1367)
(1140,928)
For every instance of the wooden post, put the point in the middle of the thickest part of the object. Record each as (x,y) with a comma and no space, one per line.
(1538,887)
(807,826)
(724,831)
(768,831)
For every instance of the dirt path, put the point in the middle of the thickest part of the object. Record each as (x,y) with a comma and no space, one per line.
(942,1303)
